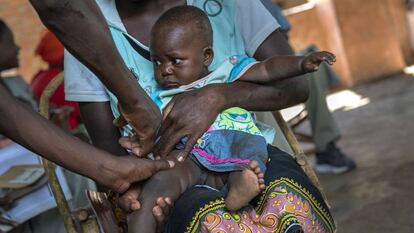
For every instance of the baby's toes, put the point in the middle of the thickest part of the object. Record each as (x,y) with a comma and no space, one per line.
(253,165)
(167,206)
(129,203)
(161,202)
(258,171)
(156,211)
(260,181)
(262,185)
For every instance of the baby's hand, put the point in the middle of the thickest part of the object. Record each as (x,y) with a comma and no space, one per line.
(311,62)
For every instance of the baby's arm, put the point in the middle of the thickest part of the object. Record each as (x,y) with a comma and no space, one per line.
(283,67)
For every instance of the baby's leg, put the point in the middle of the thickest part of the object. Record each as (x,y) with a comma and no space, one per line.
(169,183)
(244,186)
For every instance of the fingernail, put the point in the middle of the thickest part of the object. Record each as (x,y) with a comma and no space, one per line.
(171,163)
(180,158)
(135,207)
(156,211)
(136,151)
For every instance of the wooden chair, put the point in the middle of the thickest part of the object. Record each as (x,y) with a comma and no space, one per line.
(76,221)
(298,153)
(88,222)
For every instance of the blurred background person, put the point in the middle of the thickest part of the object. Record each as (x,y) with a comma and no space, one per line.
(324,129)
(9,59)
(50,51)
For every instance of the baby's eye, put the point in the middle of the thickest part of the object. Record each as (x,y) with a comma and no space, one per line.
(156,62)
(177,61)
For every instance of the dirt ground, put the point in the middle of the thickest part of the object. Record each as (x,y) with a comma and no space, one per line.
(379,195)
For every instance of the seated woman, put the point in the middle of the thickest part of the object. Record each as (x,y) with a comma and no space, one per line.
(233,146)
(289,202)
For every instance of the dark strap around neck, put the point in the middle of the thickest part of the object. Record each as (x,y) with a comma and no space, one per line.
(143,52)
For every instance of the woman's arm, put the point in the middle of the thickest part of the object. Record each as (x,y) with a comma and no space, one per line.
(32,131)
(75,23)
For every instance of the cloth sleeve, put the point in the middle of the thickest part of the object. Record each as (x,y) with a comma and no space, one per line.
(241,63)
(81,84)
(254,23)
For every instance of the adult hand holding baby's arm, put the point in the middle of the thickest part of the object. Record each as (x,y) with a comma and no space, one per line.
(311,62)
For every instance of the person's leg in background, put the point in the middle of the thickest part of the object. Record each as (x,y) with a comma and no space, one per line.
(325,131)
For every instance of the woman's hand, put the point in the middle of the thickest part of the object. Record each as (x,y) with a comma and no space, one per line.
(129,202)
(119,173)
(162,211)
(189,115)
(145,123)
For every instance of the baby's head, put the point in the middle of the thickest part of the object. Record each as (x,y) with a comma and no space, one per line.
(181,46)
(9,49)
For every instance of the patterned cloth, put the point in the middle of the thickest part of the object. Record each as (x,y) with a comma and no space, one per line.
(290,203)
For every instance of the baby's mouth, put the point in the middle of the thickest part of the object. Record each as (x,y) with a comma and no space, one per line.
(170,85)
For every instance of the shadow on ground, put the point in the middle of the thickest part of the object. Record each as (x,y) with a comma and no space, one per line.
(378,195)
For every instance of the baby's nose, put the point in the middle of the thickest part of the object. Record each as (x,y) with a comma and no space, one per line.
(166,70)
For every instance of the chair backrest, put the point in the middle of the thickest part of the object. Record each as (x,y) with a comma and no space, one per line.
(298,153)
(61,202)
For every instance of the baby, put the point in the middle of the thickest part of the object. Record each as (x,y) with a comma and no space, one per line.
(181,51)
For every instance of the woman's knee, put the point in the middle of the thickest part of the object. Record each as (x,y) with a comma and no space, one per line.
(281,164)
(189,203)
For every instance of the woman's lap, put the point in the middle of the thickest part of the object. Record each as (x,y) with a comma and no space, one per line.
(289,202)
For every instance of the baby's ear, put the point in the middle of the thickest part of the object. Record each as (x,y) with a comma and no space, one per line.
(208,55)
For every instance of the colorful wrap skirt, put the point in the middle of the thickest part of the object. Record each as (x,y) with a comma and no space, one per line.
(289,203)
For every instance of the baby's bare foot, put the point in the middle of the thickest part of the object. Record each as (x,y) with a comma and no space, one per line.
(129,201)
(161,212)
(244,186)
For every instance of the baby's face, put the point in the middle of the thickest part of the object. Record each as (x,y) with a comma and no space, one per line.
(178,58)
